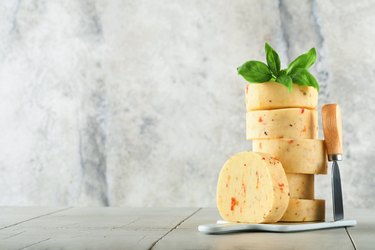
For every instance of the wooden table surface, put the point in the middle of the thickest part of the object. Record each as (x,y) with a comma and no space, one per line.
(160,228)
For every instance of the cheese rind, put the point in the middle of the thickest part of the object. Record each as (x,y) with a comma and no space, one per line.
(294,123)
(252,187)
(304,210)
(273,95)
(303,156)
(301,186)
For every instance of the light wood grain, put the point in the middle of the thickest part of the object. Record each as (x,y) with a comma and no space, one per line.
(332,128)
(186,237)
(94,228)
(160,228)
(14,215)
(363,234)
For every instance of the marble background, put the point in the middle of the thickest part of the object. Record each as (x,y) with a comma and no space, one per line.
(138,103)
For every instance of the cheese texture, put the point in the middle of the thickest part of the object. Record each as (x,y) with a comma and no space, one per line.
(301,156)
(301,186)
(272,95)
(293,123)
(304,210)
(252,187)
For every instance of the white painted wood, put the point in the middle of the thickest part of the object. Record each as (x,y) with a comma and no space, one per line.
(13,215)
(94,228)
(162,228)
(363,234)
(186,236)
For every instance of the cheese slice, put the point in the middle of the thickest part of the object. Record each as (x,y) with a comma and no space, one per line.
(301,156)
(273,95)
(291,123)
(304,210)
(301,186)
(252,187)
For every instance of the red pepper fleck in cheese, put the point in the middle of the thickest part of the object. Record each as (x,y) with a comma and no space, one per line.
(301,186)
(273,95)
(282,123)
(302,156)
(257,192)
(304,210)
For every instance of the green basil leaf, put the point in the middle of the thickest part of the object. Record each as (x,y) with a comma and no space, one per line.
(255,71)
(303,61)
(286,80)
(302,76)
(273,59)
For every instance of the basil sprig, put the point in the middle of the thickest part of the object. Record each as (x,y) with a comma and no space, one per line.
(255,71)
(273,59)
(296,72)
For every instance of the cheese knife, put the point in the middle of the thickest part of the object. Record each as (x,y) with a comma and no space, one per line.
(332,128)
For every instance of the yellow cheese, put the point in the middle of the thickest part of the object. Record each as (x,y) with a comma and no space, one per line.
(301,186)
(252,187)
(301,156)
(304,210)
(272,95)
(291,123)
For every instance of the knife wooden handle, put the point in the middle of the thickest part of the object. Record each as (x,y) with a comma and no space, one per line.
(332,128)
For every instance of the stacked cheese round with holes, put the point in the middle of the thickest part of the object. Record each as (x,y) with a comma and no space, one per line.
(284,125)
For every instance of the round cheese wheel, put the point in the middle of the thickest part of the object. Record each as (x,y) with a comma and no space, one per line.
(301,186)
(273,95)
(302,156)
(304,210)
(294,123)
(252,187)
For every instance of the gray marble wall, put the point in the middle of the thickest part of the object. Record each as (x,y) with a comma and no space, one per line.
(137,103)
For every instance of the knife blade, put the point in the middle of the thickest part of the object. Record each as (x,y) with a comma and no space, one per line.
(332,128)
(338,208)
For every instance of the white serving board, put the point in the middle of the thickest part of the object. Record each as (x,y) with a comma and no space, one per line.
(222,227)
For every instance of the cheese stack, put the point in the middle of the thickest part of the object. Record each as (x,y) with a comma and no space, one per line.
(284,125)
(252,188)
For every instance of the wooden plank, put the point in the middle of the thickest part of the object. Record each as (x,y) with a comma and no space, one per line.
(13,215)
(186,236)
(362,234)
(95,228)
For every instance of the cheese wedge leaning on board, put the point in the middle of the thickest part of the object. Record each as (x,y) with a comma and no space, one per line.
(301,186)
(301,156)
(304,210)
(273,95)
(252,188)
(293,123)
